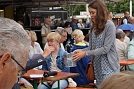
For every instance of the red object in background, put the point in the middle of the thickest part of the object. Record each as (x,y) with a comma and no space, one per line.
(48,16)
(37,22)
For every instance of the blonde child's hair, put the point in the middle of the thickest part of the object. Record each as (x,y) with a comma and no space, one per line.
(77,34)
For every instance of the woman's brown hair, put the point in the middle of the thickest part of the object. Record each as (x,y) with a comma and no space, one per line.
(101,15)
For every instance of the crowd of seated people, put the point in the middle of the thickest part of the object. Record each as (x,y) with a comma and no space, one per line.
(55,44)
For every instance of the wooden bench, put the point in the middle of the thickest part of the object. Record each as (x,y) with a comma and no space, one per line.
(91,85)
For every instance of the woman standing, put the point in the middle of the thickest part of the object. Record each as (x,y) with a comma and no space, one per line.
(102,43)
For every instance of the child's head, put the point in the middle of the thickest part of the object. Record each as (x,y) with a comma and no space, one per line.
(78,35)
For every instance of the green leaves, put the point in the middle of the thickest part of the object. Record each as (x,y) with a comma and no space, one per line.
(75,9)
(119,7)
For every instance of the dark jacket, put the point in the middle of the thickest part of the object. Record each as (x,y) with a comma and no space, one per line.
(32,63)
(126,19)
(73,25)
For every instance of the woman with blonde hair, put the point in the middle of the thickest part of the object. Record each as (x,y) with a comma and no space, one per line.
(35,46)
(55,61)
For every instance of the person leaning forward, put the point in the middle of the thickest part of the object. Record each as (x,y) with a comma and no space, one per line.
(102,43)
(14,47)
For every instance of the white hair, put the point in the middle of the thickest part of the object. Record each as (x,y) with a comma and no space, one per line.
(13,39)
(60,30)
(119,30)
(80,20)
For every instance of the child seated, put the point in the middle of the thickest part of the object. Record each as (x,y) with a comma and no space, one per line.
(81,64)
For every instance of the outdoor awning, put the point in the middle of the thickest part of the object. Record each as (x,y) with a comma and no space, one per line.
(46,2)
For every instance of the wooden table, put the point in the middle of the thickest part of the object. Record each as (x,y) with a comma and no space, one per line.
(80,88)
(125,63)
(59,76)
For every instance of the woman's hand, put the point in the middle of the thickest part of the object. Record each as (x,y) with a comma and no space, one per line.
(78,54)
(47,51)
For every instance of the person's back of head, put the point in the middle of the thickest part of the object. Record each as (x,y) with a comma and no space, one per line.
(118,30)
(14,45)
(118,81)
(120,35)
(66,25)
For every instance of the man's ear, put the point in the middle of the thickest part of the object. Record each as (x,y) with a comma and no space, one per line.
(4,59)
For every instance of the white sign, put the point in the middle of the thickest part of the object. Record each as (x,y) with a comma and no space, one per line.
(84,13)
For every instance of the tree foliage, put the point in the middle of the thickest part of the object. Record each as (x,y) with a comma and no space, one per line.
(115,7)
(78,9)
(120,7)
(74,9)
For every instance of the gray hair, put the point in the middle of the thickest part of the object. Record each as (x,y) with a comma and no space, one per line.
(118,81)
(47,20)
(13,39)
(131,18)
(120,35)
(60,30)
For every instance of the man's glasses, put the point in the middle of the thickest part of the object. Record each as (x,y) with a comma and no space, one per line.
(23,69)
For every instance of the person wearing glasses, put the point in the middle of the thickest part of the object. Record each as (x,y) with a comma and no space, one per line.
(14,47)
(55,62)
(63,34)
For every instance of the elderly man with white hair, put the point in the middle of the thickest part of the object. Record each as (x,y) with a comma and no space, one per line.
(14,47)
(80,24)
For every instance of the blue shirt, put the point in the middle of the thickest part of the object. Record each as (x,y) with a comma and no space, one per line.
(59,61)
